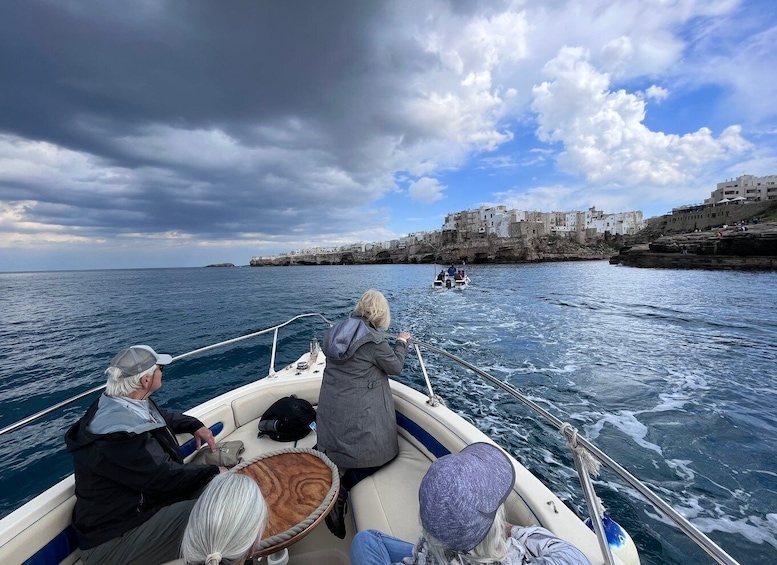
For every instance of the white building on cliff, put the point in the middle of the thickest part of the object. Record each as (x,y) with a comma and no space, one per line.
(496,221)
(745,187)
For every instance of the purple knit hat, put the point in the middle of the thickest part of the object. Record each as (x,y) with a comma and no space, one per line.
(461,493)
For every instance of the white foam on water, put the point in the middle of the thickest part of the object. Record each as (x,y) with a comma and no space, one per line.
(626,422)
(502,368)
(566,369)
(690,509)
(756,529)
(682,468)
(670,402)
(762,472)
(684,380)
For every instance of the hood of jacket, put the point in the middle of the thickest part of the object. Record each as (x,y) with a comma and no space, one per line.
(346,336)
(106,416)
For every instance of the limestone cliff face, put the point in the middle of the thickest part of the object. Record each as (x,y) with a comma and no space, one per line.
(482,250)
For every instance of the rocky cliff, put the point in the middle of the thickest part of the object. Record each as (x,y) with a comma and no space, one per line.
(482,250)
(732,248)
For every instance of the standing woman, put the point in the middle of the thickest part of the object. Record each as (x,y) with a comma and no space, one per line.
(356,422)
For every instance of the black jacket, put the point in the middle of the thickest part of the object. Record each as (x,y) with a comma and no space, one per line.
(123,477)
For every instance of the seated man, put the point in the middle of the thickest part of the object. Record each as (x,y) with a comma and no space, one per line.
(133,491)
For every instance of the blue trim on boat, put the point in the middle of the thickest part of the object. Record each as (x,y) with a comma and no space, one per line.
(428,440)
(65,543)
(191,446)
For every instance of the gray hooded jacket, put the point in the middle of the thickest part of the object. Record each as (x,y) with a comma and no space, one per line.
(356,422)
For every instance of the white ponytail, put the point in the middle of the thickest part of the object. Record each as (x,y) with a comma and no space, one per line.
(226,521)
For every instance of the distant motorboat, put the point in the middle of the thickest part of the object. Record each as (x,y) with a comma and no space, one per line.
(453,277)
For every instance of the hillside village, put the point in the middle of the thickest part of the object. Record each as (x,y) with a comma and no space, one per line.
(496,234)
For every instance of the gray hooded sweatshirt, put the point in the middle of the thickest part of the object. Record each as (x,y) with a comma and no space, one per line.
(356,422)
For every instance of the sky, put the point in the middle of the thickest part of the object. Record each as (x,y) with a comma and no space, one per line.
(173,134)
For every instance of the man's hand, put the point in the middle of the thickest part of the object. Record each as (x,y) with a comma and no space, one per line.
(204,434)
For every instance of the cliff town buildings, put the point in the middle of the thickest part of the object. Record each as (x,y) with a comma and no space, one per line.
(499,222)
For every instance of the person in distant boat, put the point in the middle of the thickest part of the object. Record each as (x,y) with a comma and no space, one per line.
(463,521)
(226,523)
(451,271)
(134,493)
(355,421)
(441,276)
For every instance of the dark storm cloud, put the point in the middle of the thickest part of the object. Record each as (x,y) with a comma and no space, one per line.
(302,90)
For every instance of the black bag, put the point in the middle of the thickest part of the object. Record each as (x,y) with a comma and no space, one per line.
(288,419)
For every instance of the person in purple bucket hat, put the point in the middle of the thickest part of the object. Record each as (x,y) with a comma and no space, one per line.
(462,512)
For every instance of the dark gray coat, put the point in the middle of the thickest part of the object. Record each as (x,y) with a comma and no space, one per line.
(356,422)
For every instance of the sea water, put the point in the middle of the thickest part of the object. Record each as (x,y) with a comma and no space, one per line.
(670,372)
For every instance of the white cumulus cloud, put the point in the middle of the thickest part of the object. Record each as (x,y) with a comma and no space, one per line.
(656,93)
(603,134)
(426,190)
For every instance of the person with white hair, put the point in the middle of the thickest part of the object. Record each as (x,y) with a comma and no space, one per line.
(227,522)
(133,490)
(462,510)
(355,421)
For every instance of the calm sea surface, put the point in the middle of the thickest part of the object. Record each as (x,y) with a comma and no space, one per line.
(671,372)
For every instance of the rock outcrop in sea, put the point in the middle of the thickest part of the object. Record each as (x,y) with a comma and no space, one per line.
(736,237)
(730,248)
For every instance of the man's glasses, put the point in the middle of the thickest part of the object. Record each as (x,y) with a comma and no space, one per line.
(161,368)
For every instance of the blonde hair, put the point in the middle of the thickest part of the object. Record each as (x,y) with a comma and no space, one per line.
(374,306)
(226,521)
(124,386)
(492,548)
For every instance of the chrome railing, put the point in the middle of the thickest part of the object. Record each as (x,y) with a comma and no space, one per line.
(271,372)
(578,443)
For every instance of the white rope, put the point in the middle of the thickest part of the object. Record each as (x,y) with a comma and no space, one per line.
(304,524)
(592,465)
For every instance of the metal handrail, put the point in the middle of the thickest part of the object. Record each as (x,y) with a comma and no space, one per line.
(704,542)
(50,409)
